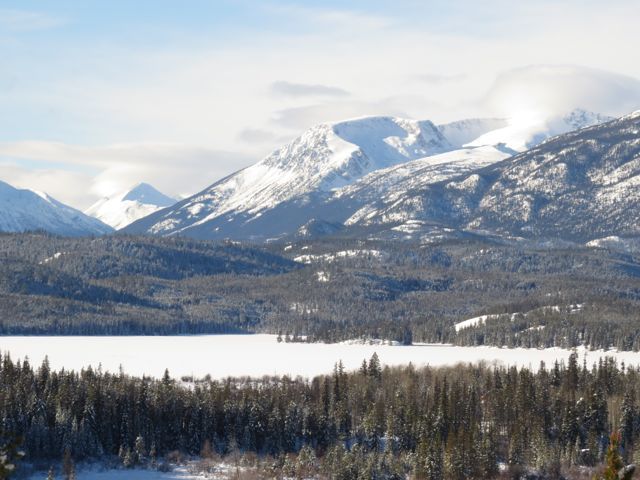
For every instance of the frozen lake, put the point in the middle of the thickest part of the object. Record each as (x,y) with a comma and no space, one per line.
(258,355)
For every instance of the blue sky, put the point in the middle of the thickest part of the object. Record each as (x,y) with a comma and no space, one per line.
(99,95)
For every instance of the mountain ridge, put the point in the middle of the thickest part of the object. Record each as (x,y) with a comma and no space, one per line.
(334,171)
(579,186)
(27,210)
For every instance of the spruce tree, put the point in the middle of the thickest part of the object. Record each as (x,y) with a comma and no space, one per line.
(614,467)
(140,452)
(375,370)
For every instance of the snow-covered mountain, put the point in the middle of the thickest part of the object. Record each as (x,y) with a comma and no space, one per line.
(282,192)
(579,186)
(520,134)
(361,173)
(128,206)
(461,132)
(27,210)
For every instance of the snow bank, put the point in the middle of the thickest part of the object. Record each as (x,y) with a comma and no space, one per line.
(180,473)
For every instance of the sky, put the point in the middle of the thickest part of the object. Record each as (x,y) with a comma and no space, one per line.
(97,96)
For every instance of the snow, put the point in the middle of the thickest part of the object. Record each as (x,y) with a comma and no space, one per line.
(55,256)
(179,473)
(367,172)
(461,132)
(537,328)
(472,322)
(259,355)
(323,159)
(131,205)
(322,277)
(25,210)
(370,341)
(331,257)
(616,243)
(523,133)
(384,192)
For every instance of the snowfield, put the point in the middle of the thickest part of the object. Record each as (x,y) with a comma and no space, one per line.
(128,206)
(258,355)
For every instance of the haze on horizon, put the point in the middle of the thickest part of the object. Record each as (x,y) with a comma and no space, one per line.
(99,96)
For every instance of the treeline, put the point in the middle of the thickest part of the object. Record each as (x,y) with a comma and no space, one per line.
(123,285)
(601,325)
(455,423)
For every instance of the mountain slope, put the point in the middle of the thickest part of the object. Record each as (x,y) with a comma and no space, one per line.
(26,210)
(461,132)
(288,185)
(128,206)
(357,173)
(577,186)
(521,134)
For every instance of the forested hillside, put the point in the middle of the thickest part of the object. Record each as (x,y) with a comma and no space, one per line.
(326,290)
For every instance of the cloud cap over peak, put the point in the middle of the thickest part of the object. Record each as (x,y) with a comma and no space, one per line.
(553,89)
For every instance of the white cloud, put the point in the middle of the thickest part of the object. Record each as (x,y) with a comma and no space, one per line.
(64,185)
(282,87)
(439,79)
(174,169)
(152,103)
(551,89)
(297,118)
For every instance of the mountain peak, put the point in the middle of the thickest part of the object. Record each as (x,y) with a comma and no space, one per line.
(145,193)
(25,210)
(314,165)
(356,172)
(139,201)
(580,118)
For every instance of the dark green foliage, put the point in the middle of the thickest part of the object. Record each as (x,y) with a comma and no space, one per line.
(391,290)
(434,423)
(614,468)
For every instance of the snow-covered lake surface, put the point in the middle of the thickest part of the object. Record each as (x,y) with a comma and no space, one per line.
(258,355)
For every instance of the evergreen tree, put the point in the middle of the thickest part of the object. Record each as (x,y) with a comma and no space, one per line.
(434,463)
(374,369)
(306,464)
(614,467)
(627,422)
(139,451)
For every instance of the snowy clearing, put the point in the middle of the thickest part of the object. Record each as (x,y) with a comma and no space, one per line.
(331,257)
(472,322)
(258,355)
(475,321)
